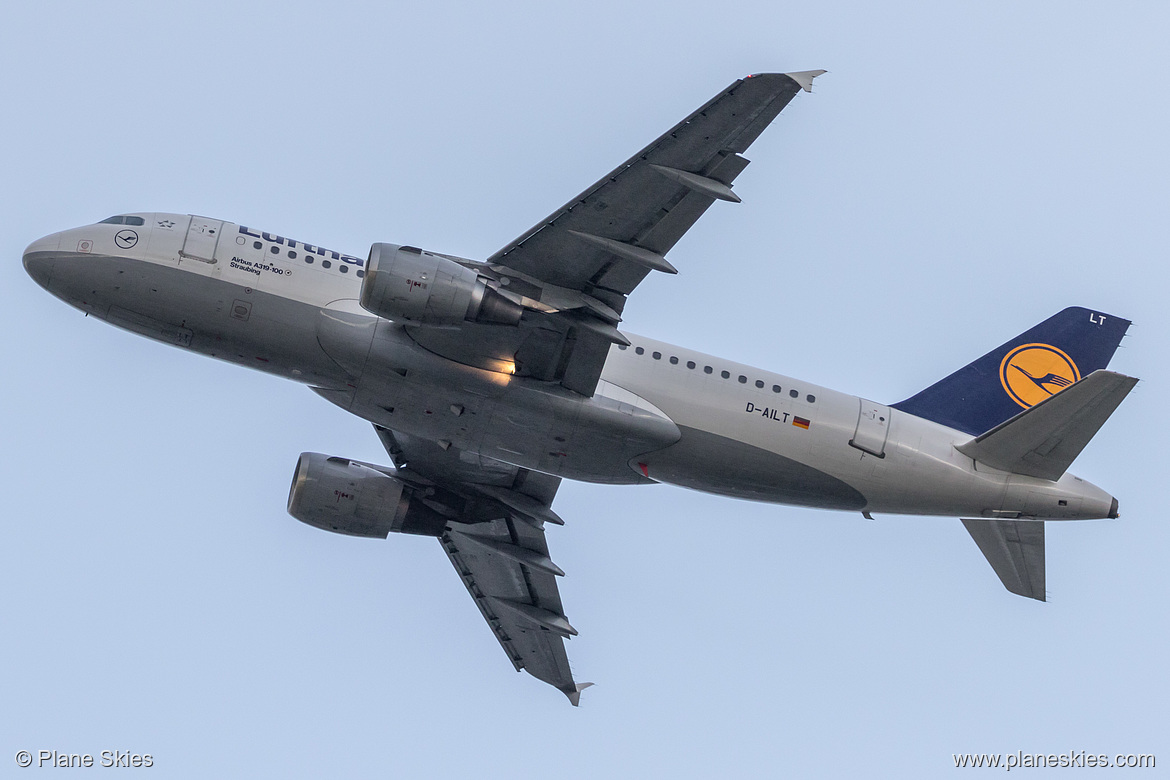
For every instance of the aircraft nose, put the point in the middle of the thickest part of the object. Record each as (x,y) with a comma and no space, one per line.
(39,259)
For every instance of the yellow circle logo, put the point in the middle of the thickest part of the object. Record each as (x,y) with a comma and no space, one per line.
(1033,372)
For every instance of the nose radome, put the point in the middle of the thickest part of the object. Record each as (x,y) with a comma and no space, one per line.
(38,259)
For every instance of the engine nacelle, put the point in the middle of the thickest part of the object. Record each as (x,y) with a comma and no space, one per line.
(347,497)
(406,284)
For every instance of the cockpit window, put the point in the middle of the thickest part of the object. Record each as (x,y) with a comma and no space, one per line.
(124,219)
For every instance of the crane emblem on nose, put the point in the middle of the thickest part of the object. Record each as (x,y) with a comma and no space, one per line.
(125,239)
(1033,372)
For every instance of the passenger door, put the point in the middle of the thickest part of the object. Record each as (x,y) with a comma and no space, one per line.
(873,426)
(202,240)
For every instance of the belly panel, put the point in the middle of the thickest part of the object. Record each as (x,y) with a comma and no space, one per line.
(716,464)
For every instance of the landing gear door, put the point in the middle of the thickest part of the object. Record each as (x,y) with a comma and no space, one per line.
(202,239)
(873,426)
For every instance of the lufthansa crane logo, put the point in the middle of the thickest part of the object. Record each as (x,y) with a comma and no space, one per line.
(1033,372)
(125,239)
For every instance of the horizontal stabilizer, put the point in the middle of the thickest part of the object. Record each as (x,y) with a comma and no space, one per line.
(1044,440)
(1015,550)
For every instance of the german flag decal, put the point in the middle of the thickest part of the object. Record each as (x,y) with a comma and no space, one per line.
(800,422)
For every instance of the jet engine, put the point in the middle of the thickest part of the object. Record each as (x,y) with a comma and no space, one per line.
(406,284)
(347,497)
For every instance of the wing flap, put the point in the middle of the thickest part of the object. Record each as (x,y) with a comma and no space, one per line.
(1044,440)
(1015,550)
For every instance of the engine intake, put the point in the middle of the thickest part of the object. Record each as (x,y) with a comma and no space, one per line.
(347,497)
(406,284)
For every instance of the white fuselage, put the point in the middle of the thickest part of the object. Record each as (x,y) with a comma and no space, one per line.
(660,414)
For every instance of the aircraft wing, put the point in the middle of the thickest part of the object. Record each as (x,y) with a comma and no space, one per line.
(608,238)
(575,268)
(501,554)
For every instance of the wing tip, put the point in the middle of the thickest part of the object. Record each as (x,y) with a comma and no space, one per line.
(804,78)
(575,694)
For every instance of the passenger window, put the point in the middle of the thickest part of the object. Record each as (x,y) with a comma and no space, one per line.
(794,394)
(343,268)
(640,351)
(690,364)
(742,379)
(760,383)
(673,360)
(361,273)
(622,347)
(775,388)
(326,264)
(275,250)
(292,255)
(725,374)
(812,399)
(256,245)
(657,356)
(707,369)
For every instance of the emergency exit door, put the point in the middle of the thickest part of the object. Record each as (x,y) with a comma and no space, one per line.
(873,426)
(202,239)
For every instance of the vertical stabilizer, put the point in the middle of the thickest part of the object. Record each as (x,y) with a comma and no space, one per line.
(1021,373)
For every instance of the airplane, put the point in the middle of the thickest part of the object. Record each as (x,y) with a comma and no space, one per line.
(488,382)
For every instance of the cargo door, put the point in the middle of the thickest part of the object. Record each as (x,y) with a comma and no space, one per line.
(873,425)
(202,239)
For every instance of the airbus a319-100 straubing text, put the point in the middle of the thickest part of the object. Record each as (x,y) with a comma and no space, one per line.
(489,382)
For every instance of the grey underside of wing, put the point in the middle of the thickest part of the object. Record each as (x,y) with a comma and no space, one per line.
(1015,550)
(642,205)
(585,258)
(508,592)
(503,561)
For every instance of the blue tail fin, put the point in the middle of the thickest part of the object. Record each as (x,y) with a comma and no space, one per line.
(1023,372)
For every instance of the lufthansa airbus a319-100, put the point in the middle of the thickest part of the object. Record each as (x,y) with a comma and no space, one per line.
(490,382)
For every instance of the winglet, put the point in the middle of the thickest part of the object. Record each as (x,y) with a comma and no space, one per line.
(575,696)
(805,78)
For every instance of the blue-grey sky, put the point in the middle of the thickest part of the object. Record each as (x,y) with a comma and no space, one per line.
(963,171)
